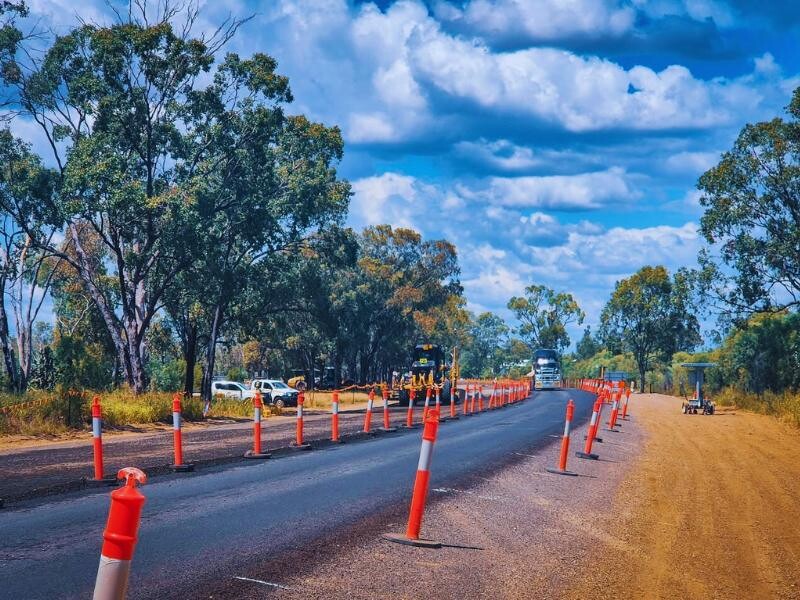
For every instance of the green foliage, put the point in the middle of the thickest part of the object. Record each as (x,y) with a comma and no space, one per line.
(752,214)
(484,356)
(544,316)
(236,374)
(82,364)
(650,316)
(588,345)
(167,376)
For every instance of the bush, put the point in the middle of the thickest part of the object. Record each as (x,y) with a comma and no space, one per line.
(784,405)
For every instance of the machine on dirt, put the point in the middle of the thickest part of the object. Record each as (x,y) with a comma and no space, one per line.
(699,403)
(325,380)
(428,368)
(546,369)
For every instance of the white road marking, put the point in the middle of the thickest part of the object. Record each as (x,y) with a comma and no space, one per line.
(277,585)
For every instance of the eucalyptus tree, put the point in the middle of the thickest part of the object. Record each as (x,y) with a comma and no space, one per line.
(544,315)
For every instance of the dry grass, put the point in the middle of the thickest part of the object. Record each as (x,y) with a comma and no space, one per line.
(317,399)
(785,406)
(52,413)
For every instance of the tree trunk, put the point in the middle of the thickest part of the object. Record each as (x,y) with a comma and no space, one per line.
(8,353)
(211,352)
(642,385)
(190,357)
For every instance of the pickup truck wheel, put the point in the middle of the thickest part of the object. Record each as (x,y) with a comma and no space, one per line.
(280,403)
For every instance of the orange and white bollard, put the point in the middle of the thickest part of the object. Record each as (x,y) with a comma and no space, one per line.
(592,433)
(386,421)
(119,537)
(453,396)
(473,404)
(480,397)
(410,411)
(368,414)
(562,460)
(625,405)
(421,482)
(299,443)
(256,452)
(97,438)
(612,421)
(439,400)
(335,419)
(427,406)
(466,400)
(177,437)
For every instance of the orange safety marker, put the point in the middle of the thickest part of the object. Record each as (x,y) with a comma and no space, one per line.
(299,444)
(466,400)
(410,410)
(480,397)
(177,438)
(335,419)
(592,433)
(562,460)
(453,396)
(420,493)
(386,422)
(119,537)
(256,451)
(427,403)
(368,414)
(491,396)
(438,400)
(612,422)
(472,408)
(97,438)
(625,406)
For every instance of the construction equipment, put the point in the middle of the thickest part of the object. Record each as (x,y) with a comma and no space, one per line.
(428,369)
(699,403)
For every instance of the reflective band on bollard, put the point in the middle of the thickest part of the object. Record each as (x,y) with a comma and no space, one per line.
(119,537)
(427,404)
(420,492)
(410,411)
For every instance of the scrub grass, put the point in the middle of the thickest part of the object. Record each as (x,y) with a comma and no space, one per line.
(324,400)
(785,406)
(52,413)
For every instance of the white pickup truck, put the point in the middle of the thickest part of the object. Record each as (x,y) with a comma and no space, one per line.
(231,389)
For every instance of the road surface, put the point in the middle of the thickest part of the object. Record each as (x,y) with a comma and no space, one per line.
(209,525)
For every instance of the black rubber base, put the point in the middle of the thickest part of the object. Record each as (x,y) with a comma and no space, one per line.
(401,539)
(251,454)
(560,472)
(589,456)
(183,468)
(597,439)
(303,446)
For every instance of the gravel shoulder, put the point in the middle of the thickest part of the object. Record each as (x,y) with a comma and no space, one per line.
(514,532)
(710,511)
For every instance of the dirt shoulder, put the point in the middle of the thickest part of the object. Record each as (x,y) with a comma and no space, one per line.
(710,511)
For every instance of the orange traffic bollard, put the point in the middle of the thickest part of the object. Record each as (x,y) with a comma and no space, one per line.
(335,419)
(453,396)
(256,451)
(177,438)
(480,397)
(427,403)
(562,460)
(625,405)
(97,438)
(119,537)
(466,400)
(612,421)
(386,422)
(420,493)
(298,443)
(591,434)
(410,411)
(368,414)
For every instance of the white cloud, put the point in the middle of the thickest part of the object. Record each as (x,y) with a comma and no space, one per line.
(559,192)
(692,163)
(537,20)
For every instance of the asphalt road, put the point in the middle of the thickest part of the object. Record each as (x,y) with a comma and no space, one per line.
(213,524)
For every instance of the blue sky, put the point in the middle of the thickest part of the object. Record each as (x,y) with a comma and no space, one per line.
(554,141)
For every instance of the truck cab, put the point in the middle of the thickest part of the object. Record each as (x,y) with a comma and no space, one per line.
(546,369)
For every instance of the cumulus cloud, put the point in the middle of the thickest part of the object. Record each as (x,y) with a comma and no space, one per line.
(537,20)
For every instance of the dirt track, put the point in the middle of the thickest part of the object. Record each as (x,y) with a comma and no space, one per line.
(711,510)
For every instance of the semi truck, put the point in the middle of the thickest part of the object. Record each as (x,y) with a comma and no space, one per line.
(546,369)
